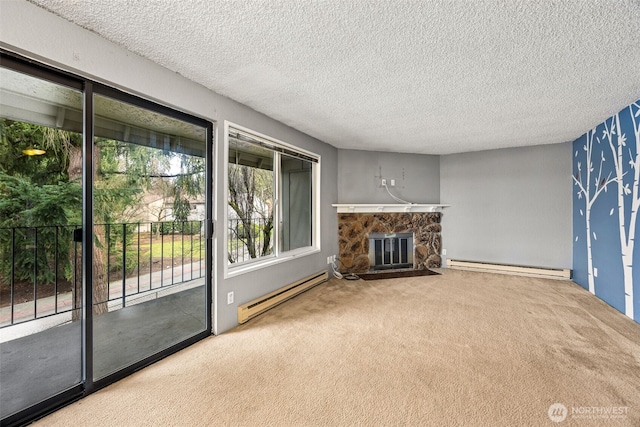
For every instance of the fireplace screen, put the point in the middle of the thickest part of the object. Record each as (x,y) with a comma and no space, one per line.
(390,251)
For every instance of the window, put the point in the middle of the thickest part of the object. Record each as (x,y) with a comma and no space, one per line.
(271,210)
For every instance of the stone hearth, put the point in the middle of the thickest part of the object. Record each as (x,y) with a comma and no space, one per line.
(354,228)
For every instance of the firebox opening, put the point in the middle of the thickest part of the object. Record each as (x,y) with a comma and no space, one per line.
(390,251)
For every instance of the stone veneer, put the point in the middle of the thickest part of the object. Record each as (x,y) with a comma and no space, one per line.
(353,240)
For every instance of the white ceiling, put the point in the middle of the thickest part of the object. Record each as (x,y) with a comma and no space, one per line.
(429,77)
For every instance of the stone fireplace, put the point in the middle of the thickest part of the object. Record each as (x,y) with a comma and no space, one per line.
(355,229)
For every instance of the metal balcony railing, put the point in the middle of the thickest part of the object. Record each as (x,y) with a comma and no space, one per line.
(41,267)
(249,241)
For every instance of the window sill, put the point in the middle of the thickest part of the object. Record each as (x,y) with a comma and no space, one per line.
(237,270)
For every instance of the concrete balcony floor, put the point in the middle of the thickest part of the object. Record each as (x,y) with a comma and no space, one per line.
(41,364)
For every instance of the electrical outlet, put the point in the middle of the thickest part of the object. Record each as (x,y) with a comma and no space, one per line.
(334,258)
(230,297)
(444,252)
(329,259)
(384,182)
(595,271)
(393,182)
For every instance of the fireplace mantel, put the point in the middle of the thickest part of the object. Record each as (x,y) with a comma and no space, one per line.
(382,207)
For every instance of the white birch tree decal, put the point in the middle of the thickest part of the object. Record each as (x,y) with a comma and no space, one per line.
(623,156)
(590,185)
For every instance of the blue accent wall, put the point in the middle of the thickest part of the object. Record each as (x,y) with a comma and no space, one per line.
(606,210)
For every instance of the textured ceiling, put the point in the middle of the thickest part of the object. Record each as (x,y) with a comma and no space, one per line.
(431,77)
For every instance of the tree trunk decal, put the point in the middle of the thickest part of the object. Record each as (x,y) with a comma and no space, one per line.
(590,188)
(626,191)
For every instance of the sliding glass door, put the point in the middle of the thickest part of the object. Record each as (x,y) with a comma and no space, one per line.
(105,235)
(148,233)
(40,260)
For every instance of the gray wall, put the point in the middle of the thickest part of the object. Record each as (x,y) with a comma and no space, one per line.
(35,33)
(509,206)
(359,172)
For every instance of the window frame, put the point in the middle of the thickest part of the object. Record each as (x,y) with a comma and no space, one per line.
(278,256)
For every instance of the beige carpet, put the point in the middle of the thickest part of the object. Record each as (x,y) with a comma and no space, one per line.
(458,349)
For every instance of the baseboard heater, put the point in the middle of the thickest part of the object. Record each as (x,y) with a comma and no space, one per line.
(260,305)
(519,270)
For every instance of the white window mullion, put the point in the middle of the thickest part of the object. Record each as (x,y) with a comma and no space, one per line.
(277,204)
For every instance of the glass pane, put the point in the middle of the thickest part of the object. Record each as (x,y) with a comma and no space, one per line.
(149,243)
(40,264)
(296,182)
(250,204)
